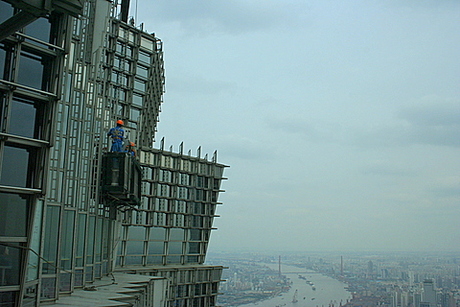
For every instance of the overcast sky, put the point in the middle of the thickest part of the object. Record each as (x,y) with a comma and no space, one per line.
(340,120)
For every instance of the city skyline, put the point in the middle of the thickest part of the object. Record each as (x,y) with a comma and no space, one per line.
(340,120)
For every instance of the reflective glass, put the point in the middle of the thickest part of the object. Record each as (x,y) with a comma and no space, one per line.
(142,71)
(35,237)
(6,11)
(173,259)
(134,247)
(40,29)
(8,299)
(67,239)
(176,234)
(133,260)
(194,248)
(139,85)
(157,233)
(65,280)
(136,233)
(137,100)
(135,113)
(51,239)
(30,70)
(48,288)
(144,57)
(10,263)
(2,62)
(14,166)
(156,248)
(30,296)
(22,119)
(155,259)
(90,248)
(195,234)
(192,259)
(14,211)
(81,230)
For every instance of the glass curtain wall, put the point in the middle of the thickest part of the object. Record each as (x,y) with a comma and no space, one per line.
(172,226)
(29,62)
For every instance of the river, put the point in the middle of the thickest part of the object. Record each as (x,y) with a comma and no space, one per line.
(327,290)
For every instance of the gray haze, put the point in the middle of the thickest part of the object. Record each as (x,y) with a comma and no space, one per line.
(340,119)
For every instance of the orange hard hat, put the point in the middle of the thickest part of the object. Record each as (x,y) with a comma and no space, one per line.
(120,122)
(132,144)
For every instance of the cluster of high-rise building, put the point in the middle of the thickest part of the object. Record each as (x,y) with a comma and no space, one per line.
(424,295)
(79,225)
(397,280)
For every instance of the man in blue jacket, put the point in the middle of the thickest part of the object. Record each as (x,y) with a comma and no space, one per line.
(117,134)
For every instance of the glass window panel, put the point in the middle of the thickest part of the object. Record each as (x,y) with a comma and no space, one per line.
(65,281)
(137,100)
(155,259)
(195,234)
(120,47)
(8,298)
(30,296)
(51,239)
(81,230)
(118,62)
(175,248)
(40,29)
(176,234)
(14,167)
(192,259)
(114,76)
(78,282)
(157,233)
(14,212)
(67,239)
(22,119)
(146,43)
(142,71)
(194,248)
(133,260)
(10,263)
(135,113)
(2,62)
(136,233)
(48,288)
(144,57)
(90,248)
(134,247)
(156,248)
(120,109)
(139,85)
(30,70)
(6,11)
(98,240)
(173,259)
(32,266)
(123,79)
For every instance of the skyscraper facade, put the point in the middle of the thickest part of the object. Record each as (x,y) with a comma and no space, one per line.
(68,70)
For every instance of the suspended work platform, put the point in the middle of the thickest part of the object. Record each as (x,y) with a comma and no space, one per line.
(121,179)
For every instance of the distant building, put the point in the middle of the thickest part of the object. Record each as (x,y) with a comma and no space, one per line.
(73,216)
(429,294)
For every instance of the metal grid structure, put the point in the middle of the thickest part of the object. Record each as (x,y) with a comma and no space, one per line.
(174,221)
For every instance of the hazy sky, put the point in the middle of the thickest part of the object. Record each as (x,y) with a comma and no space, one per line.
(340,119)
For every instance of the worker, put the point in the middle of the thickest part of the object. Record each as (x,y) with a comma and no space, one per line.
(131,149)
(117,134)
